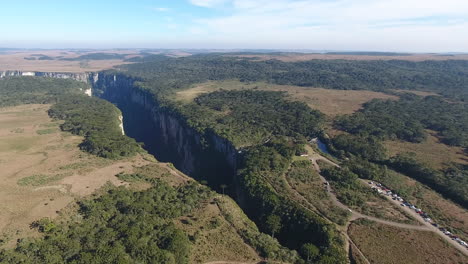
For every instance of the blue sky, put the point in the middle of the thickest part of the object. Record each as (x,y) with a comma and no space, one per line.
(385,25)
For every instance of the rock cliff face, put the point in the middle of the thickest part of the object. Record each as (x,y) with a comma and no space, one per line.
(165,134)
(83,77)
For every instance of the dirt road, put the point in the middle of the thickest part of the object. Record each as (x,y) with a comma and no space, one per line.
(427,225)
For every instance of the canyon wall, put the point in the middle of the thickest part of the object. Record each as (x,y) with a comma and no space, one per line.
(165,134)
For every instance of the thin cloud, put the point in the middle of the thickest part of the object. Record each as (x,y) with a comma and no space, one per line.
(161,9)
(208,3)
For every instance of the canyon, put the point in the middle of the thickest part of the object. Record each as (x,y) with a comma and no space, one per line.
(208,158)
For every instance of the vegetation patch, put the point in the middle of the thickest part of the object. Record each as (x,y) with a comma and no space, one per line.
(46,131)
(41,179)
(98,121)
(17,130)
(134,177)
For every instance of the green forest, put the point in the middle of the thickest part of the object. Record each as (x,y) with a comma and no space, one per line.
(251,117)
(407,118)
(448,78)
(36,90)
(121,226)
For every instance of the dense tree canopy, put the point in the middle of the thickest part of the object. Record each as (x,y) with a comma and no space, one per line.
(407,118)
(36,90)
(122,226)
(98,121)
(251,117)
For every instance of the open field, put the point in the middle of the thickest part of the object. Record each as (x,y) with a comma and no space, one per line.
(387,244)
(42,173)
(53,60)
(17,61)
(431,152)
(330,102)
(292,57)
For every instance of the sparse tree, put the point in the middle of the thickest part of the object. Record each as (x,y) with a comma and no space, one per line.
(223,186)
(273,224)
(310,251)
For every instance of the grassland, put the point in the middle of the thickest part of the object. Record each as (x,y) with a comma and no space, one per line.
(386,244)
(330,102)
(18,61)
(430,152)
(65,60)
(42,173)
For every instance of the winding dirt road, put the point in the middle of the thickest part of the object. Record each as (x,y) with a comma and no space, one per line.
(426,226)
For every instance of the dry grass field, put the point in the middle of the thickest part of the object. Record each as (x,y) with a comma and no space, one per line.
(214,238)
(21,60)
(42,170)
(293,57)
(431,152)
(330,102)
(17,61)
(386,244)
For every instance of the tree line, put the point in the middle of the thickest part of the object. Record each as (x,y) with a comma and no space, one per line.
(449,78)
